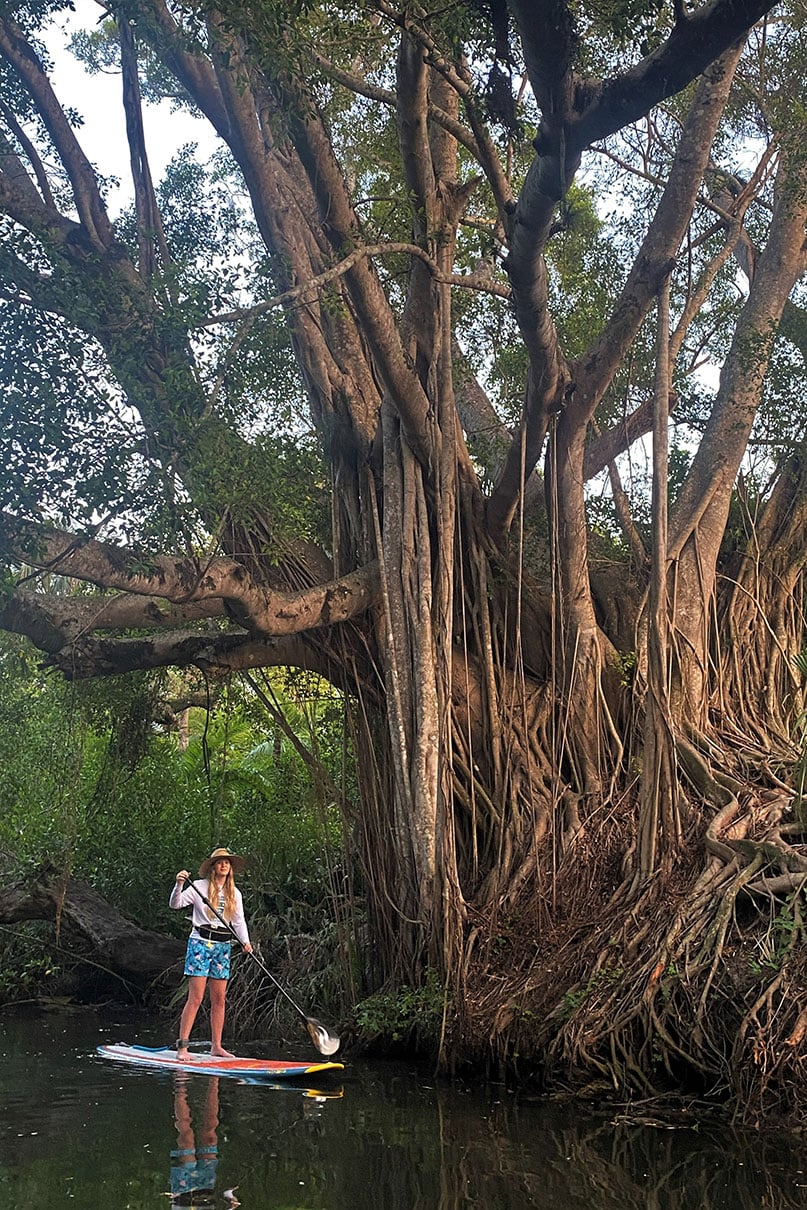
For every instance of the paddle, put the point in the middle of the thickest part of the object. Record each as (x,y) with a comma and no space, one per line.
(325,1040)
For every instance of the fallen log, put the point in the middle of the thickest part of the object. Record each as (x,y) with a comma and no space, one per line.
(114,941)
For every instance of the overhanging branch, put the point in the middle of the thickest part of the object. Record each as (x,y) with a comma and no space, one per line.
(220,653)
(183,580)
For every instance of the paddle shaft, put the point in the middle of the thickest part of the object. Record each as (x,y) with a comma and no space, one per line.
(189,882)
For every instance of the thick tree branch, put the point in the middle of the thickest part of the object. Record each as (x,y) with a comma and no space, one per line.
(595,370)
(459,78)
(709,483)
(543,396)
(571,114)
(185,580)
(614,441)
(34,159)
(219,653)
(550,43)
(488,437)
(733,202)
(90,207)
(51,622)
(193,71)
(18,194)
(136,954)
(705,35)
(29,287)
(150,234)
(334,355)
(367,295)
(66,630)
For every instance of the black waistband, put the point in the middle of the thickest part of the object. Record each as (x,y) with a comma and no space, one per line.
(208,934)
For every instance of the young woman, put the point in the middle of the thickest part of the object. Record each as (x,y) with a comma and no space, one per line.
(207,959)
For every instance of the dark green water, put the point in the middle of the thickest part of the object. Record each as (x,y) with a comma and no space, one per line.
(76,1130)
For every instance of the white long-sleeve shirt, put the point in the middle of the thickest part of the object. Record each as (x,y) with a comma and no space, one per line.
(184,896)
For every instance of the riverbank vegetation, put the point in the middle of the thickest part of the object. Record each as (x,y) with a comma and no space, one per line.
(466,375)
(112,789)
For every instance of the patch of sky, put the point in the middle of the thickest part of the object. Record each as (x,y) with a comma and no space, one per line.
(97,98)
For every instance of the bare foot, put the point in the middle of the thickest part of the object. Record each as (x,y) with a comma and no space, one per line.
(218,1052)
(183,1055)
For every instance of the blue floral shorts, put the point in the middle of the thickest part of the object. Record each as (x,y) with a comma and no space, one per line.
(210,959)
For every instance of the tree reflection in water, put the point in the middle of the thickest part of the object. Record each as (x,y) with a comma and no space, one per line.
(403,1144)
(77,1130)
(611,1162)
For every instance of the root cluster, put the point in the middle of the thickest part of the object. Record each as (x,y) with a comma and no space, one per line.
(696,984)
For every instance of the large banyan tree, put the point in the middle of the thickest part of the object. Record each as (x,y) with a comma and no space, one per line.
(534,269)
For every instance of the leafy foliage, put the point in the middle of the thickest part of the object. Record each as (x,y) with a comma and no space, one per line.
(125,813)
(409,1015)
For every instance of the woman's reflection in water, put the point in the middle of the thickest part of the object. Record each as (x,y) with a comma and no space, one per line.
(195,1158)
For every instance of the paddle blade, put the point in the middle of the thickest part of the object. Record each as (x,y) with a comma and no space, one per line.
(326,1042)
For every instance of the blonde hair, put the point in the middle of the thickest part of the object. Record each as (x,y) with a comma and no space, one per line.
(228,887)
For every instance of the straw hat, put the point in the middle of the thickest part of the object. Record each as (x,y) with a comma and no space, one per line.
(235,861)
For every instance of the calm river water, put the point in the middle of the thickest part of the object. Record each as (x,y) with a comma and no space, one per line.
(79,1130)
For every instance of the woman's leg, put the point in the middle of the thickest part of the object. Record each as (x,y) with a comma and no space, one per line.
(196,993)
(218,994)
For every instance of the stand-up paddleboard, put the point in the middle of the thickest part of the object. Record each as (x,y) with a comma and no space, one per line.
(210,1065)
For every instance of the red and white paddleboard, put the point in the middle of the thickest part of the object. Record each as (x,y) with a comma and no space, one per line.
(207,1064)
